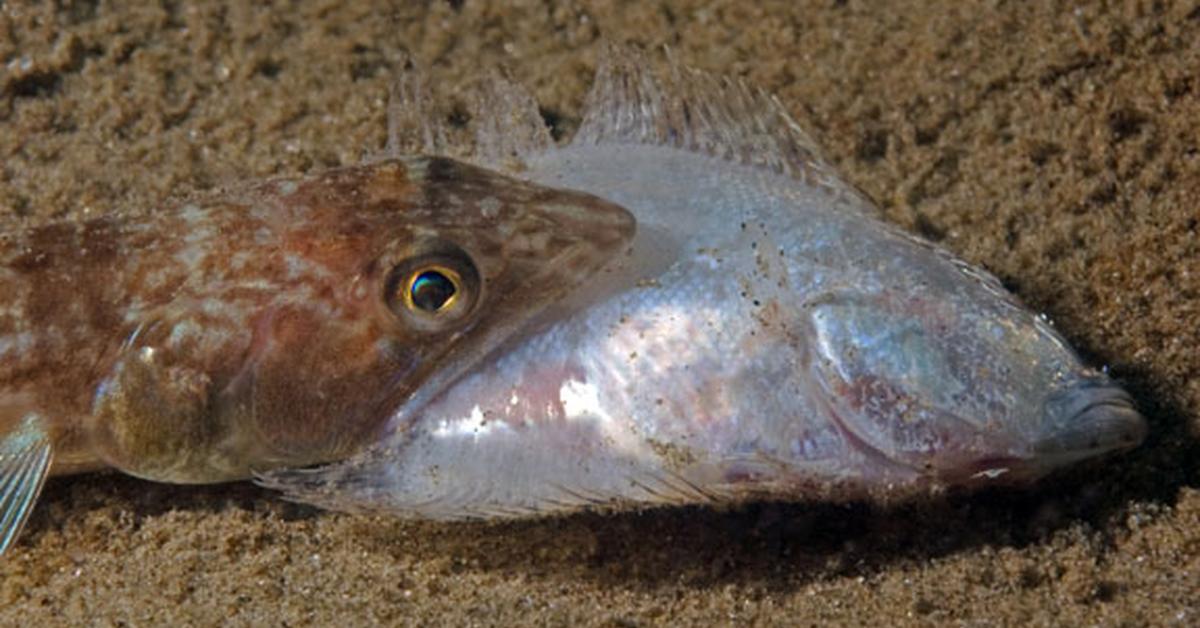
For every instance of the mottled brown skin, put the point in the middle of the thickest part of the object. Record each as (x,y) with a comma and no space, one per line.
(262,327)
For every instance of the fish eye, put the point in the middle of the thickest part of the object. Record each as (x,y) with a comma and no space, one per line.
(435,285)
(432,289)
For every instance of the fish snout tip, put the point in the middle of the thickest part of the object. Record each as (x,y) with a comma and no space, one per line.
(606,221)
(1088,420)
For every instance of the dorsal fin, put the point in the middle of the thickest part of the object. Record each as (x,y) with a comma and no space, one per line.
(508,126)
(505,126)
(24,465)
(633,103)
(630,102)
(414,120)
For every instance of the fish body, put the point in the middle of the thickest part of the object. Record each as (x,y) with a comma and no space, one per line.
(768,337)
(429,338)
(273,324)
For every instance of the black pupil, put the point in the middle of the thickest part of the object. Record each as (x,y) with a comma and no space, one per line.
(431,290)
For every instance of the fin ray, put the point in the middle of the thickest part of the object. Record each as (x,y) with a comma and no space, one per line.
(508,125)
(414,123)
(633,103)
(505,123)
(25,454)
(359,487)
(630,102)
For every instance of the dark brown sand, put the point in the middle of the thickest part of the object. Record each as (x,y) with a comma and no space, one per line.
(1059,148)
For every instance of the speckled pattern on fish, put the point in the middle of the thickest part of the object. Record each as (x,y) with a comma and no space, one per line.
(276,323)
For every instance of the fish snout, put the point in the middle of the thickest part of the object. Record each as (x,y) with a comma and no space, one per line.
(1089,418)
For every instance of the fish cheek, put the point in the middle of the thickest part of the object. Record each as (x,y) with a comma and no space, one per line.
(317,388)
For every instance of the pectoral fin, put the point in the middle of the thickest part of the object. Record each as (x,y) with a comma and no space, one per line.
(24,464)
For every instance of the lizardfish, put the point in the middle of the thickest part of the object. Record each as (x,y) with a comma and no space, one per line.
(273,324)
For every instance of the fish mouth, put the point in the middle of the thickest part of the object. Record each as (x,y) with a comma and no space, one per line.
(1091,418)
(604,233)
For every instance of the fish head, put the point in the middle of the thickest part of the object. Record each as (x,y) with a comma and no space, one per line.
(365,282)
(963,387)
(463,257)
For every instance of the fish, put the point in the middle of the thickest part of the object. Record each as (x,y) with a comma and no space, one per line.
(275,323)
(768,337)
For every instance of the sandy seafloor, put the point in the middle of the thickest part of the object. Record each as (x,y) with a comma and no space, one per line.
(1057,147)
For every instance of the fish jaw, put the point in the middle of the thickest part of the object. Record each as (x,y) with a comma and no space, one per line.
(1088,419)
(952,381)
(530,244)
(1092,417)
(1104,423)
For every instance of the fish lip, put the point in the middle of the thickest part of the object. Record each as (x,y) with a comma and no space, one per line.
(1090,418)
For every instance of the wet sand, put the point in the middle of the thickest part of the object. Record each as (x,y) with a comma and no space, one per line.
(1059,148)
